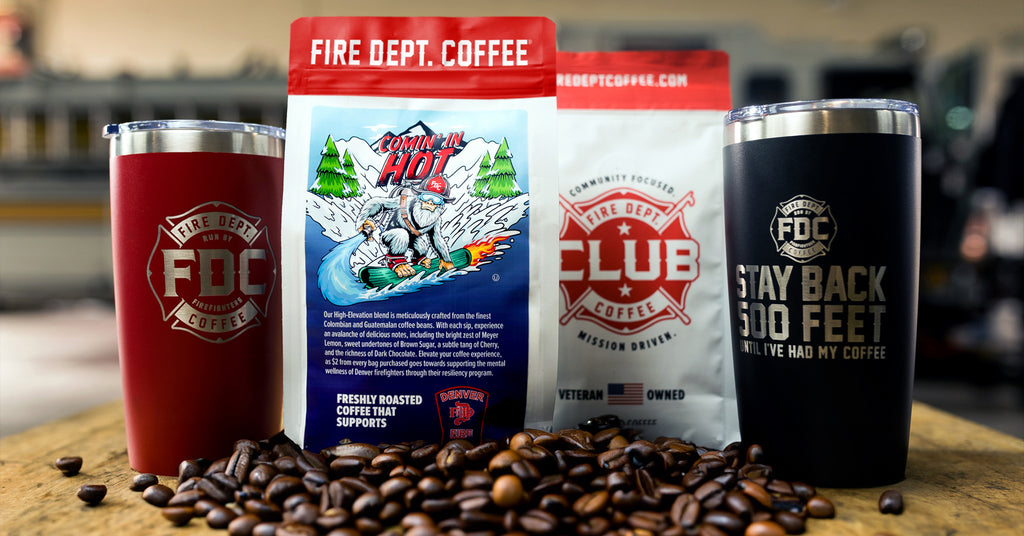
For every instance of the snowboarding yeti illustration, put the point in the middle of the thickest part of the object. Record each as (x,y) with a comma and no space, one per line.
(412,220)
(412,210)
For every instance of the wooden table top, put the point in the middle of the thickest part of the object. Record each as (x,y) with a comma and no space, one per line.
(962,478)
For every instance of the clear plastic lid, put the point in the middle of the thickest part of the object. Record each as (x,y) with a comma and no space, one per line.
(194,135)
(760,111)
(117,129)
(830,116)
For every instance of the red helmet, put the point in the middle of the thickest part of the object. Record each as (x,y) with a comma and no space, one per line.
(436,185)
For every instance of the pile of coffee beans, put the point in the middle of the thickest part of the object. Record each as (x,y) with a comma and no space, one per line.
(598,479)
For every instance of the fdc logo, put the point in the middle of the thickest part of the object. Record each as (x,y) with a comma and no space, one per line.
(803,228)
(213,271)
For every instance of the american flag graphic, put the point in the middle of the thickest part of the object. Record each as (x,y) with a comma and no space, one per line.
(625,394)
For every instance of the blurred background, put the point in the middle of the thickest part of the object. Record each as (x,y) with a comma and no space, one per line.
(68,67)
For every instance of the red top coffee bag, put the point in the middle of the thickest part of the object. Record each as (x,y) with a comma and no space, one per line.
(419,209)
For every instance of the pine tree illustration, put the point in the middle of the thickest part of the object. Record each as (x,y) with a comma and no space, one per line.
(480,184)
(335,175)
(502,177)
(329,174)
(349,181)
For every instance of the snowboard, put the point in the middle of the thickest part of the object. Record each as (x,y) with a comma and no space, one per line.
(383,277)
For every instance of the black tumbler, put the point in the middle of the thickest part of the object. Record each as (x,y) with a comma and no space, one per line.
(822,215)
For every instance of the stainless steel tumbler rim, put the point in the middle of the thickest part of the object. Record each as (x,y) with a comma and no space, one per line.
(192,135)
(829,116)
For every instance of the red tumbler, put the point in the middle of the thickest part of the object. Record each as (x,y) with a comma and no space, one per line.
(195,217)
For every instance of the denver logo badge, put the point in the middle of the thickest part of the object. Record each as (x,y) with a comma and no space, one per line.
(461,410)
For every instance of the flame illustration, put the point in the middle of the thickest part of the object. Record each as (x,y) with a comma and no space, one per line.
(481,249)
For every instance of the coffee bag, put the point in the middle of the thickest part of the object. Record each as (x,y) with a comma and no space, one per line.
(643,310)
(420,174)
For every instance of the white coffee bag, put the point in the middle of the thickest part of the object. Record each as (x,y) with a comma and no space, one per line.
(643,330)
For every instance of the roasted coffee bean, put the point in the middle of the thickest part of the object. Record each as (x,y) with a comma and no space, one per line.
(613,459)
(391,512)
(262,509)
(793,523)
(710,494)
(585,482)
(679,505)
(368,526)
(295,500)
(536,521)
(69,465)
(755,471)
(266,528)
(482,454)
(890,502)
(142,481)
(727,521)
(262,474)
(694,477)
(220,517)
(691,514)
(314,480)
(820,507)
(295,529)
(507,491)
(756,492)
(431,486)
(178,515)
(224,481)
(347,466)
(185,485)
(472,499)
(755,454)
(395,487)
(764,528)
(592,504)
(596,424)
(451,461)
(804,491)
(92,494)
(602,437)
(577,438)
(305,513)
(477,480)
(527,472)
(215,490)
(186,498)
(283,487)
(738,503)
(707,529)
(311,461)
(626,500)
(655,522)
(243,525)
(332,519)
(593,526)
(359,450)
(190,468)
(368,504)
(157,495)
(248,491)
(218,466)
(386,461)
(203,507)
(238,465)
